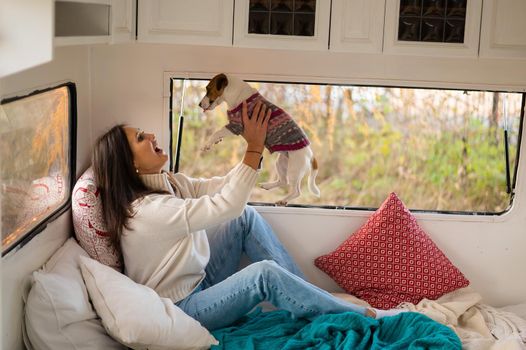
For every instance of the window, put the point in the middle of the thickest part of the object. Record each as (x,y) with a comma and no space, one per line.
(439,150)
(36,171)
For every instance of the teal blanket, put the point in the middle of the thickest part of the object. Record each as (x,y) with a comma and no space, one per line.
(278,330)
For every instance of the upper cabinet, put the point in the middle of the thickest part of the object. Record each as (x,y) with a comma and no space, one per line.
(433,27)
(282,24)
(357,25)
(201,22)
(123,13)
(94,22)
(503,31)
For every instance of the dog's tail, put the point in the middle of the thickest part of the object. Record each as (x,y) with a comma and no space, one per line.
(313,188)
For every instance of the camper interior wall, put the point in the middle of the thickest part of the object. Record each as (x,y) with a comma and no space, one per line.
(128,83)
(68,64)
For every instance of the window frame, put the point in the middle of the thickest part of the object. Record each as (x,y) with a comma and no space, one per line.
(175,138)
(72,133)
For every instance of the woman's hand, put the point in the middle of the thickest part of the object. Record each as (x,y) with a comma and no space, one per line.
(255,127)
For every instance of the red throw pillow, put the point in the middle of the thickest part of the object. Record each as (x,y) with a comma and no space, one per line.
(90,229)
(391,260)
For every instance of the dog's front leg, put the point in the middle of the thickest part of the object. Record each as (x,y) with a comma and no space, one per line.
(217,137)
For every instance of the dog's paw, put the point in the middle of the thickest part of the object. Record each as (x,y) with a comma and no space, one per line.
(265,185)
(206,148)
(271,185)
(209,146)
(281,203)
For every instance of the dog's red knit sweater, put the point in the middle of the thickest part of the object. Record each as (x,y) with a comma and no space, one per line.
(283,134)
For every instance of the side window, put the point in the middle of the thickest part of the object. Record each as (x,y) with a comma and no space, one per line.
(451,151)
(36,168)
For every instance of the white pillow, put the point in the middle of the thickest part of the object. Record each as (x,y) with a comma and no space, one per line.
(58,314)
(137,316)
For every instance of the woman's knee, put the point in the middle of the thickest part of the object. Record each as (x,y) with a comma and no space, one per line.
(266,270)
(264,267)
(250,212)
(250,218)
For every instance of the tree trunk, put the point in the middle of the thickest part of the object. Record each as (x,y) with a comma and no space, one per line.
(494,119)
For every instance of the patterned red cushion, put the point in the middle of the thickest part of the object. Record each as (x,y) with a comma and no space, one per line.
(391,260)
(88,223)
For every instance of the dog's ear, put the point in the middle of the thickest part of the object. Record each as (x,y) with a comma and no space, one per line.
(221,82)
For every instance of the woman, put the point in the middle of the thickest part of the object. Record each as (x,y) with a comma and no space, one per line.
(184,237)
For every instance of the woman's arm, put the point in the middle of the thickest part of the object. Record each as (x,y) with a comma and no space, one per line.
(184,216)
(228,202)
(254,132)
(202,186)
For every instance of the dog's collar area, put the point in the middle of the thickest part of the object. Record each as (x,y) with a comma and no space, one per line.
(250,99)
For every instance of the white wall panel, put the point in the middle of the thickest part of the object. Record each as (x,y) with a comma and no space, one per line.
(129,84)
(69,64)
(26,34)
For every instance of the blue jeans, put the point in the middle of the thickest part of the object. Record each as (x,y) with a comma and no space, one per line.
(227,294)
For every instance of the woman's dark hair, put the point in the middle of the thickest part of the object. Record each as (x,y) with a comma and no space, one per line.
(117,180)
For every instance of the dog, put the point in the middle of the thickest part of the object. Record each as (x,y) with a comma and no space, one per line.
(284,136)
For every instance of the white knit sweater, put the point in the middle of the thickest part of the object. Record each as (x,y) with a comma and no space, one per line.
(166,247)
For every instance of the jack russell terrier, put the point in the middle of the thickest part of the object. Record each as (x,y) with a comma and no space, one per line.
(284,136)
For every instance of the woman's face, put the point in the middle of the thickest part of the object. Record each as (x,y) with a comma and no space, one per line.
(148,158)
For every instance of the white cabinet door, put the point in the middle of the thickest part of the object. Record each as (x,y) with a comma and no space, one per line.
(318,41)
(201,22)
(123,21)
(503,32)
(26,34)
(357,25)
(469,48)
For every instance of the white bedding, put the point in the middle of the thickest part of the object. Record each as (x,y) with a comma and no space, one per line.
(479,326)
(517,309)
